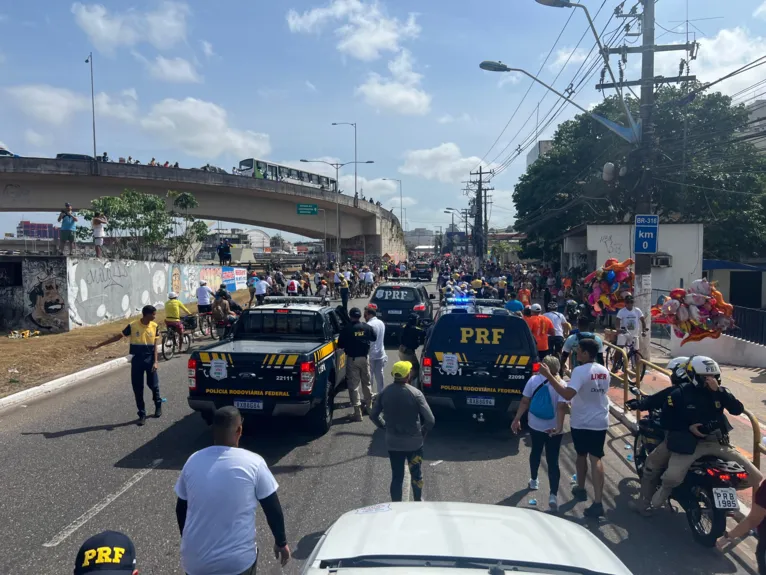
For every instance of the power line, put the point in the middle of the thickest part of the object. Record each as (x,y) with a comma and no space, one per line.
(532,83)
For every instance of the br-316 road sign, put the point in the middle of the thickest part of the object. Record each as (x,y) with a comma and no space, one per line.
(307,209)
(647,230)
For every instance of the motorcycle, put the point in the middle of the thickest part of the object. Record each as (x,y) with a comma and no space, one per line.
(708,493)
(224,327)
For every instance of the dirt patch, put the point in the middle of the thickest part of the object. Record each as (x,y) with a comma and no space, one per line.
(25,363)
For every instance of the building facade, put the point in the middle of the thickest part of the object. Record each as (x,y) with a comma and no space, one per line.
(540,148)
(27,229)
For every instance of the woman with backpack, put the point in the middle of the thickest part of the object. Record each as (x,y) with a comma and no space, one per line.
(546,419)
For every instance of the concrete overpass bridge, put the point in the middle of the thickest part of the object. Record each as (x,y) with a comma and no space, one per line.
(44,184)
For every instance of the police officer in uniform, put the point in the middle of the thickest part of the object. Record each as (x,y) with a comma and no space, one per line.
(355,340)
(413,336)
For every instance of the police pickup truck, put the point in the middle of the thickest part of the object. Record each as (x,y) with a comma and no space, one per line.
(477,358)
(280,359)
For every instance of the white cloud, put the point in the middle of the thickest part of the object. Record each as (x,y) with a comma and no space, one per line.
(207,49)
(125,108)
(444,163)
(48,104)
(364,31)
(760,12)
(578,56)
(509,78)
(175,70)
(202,129)
(723,53)
(36,139)
(406,202)
(311,86)
(449,118)
(163,28)
(401,92)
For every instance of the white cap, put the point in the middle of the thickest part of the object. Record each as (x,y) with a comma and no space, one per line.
(172,295)
(536,307)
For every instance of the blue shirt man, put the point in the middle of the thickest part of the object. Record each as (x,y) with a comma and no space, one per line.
(514,305)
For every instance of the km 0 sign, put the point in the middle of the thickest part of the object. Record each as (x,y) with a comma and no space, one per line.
(647,230)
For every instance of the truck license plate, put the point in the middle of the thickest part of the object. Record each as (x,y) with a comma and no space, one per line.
(725,498)
(484,401)
(255,404)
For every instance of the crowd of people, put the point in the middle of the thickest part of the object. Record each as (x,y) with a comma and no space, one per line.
(223,484)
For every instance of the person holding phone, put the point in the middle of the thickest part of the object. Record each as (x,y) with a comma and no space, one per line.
(68,228)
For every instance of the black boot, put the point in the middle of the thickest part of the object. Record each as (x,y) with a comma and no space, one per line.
(157,410)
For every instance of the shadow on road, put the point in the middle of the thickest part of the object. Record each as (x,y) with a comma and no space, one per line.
(79,430)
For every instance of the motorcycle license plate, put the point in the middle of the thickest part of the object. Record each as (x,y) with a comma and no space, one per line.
(484,401)
(725,498)
(256,404)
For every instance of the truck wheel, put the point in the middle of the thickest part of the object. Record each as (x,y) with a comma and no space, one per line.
(321,415)
(207,417)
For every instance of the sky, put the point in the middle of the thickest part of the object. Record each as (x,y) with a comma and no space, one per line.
(194,83)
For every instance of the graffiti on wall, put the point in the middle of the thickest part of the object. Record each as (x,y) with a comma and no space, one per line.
(13,310)
(107,290)
(45,284)
(184,280)
(212,275)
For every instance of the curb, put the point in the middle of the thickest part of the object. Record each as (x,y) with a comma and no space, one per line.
(61,382)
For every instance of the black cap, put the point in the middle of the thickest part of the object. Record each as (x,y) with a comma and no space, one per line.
(108,553)
(354,312)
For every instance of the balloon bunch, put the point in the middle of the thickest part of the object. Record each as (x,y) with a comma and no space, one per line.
(695,313)
(608,286)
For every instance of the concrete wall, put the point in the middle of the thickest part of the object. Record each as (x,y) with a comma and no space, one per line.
(723,280)
(682,241)
(44,286)
(725,349)
(105,290)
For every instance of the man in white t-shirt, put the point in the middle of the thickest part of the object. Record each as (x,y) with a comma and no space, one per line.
(205,297)
(545,432)
(629,318)
(218,492)
(561,329)
(261,289)
(378,356)
(589,420)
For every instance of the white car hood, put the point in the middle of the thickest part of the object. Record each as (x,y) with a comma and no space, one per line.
(465,530)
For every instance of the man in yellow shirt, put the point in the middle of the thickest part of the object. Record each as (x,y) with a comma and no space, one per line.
(144,338)
(502,284)
(173,309)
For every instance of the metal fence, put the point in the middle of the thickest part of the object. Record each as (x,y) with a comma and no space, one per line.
(749,323)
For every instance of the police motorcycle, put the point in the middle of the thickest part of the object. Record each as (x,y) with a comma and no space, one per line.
(708,494)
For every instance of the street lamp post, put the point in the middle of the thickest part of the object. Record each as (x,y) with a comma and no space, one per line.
(355,162)
(337,166)
(401,210)
(89,60)
(324,213)
(602,50)
(628,134)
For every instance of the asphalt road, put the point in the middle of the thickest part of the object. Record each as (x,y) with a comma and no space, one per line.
(74,464)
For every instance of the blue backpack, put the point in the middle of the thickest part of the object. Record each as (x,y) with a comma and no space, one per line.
(541,405)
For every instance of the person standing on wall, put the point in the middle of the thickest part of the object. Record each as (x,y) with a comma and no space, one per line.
(68,228)
(98,223)
(144,341)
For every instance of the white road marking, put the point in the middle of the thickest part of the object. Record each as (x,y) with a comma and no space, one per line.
(406,482)
(99,507)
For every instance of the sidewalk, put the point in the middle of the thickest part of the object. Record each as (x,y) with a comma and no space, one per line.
(743,382)
(26,363)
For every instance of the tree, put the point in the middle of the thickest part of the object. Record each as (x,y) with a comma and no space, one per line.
(713,174)
(142,228)
(277,241)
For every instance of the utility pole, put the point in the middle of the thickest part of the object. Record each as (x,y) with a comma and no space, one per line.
(644,186)
(480,219)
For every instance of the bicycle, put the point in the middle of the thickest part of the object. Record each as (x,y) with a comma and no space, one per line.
(634,357)
(173,343)
(205,323)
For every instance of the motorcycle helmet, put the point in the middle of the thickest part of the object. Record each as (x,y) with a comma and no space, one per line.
(552,306)
(677,368)
(699,367)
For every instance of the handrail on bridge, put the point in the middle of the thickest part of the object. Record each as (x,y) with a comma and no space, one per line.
(758,446)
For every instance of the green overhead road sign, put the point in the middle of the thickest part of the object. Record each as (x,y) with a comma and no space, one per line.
(307,209)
